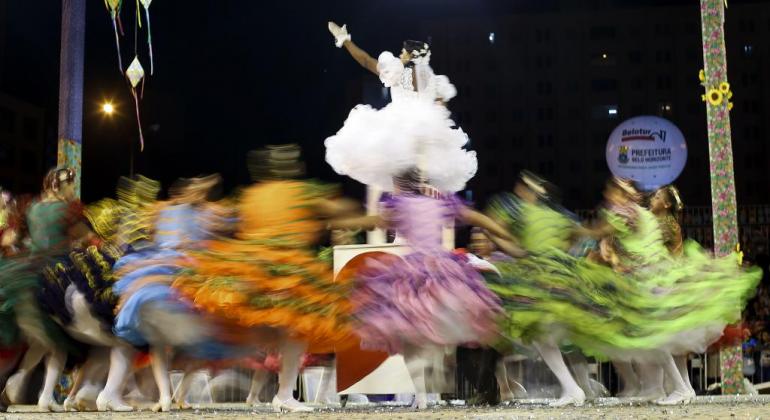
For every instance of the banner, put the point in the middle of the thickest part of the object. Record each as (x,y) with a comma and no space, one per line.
(649,150)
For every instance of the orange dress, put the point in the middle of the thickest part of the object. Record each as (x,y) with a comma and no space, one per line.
(269,276)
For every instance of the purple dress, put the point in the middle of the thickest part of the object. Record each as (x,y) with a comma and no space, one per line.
(429,297)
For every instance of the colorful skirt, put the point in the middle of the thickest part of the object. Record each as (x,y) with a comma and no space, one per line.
(423,299)
(90,272)
(252,286)
(22,315)
(675,306)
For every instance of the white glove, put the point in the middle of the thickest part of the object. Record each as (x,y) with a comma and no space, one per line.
(340,34)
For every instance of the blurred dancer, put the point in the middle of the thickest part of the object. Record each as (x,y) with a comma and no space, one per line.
(55,223)
(269,280)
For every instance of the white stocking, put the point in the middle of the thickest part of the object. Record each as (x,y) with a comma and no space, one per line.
(570,390)
(627,375)
(258,381)
(291,352)
(681,365)
(53,368)
(162,379)
(579,365)
(681,392)
(651,376)
(17,383)
(501,375)
(111,397)
(415,363)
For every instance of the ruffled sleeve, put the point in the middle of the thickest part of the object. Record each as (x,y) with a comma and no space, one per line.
(445,90)
(389,68)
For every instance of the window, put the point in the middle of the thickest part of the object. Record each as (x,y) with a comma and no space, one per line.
(544,88)
(603,58)
(605,112)
(574,112)
(491,37)
(604,85)
(602,32)
(748,50)
(664,82)
(543,62)
(635,57)
(517,115)
(545,114)
(637,83)
(574,165)
(491,117)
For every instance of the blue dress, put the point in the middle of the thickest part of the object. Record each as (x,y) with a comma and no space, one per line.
(145,279)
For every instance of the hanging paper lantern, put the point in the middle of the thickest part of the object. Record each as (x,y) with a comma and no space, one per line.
(146,4)
(114,6)
(135,74)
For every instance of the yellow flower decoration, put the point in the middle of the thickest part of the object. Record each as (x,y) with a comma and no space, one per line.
(714,97)
(729,106)
(740,254)
(703,98)
(730,94)
(724,87)
(702,75)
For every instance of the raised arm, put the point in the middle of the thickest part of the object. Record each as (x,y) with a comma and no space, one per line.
(342,39)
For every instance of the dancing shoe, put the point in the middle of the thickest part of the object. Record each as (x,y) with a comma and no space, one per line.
(70,404)
(420,401)
(651,395)
(628,392)
(48,404)
(289,406)
(5,402)
(162,406)
(14,388)
(577,399)
(340,34)
(676,398)
(111,403)
(253,400)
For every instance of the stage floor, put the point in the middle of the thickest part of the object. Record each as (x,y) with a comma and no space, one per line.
(717,407)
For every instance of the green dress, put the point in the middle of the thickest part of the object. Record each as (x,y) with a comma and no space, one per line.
(661,303)
(21,277)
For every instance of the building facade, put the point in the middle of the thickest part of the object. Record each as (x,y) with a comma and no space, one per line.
(543,90)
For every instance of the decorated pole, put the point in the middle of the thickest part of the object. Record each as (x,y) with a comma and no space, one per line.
(73,35)
(723,202)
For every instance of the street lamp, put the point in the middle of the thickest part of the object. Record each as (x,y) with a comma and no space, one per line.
(108,109)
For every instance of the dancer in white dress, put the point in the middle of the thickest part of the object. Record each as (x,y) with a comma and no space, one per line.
(375,144)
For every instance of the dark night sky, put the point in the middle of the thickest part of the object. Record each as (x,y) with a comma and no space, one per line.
(230,75)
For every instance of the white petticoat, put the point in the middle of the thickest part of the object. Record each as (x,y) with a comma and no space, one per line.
(374,145)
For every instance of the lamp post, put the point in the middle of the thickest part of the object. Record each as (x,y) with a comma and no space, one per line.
(72,56)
